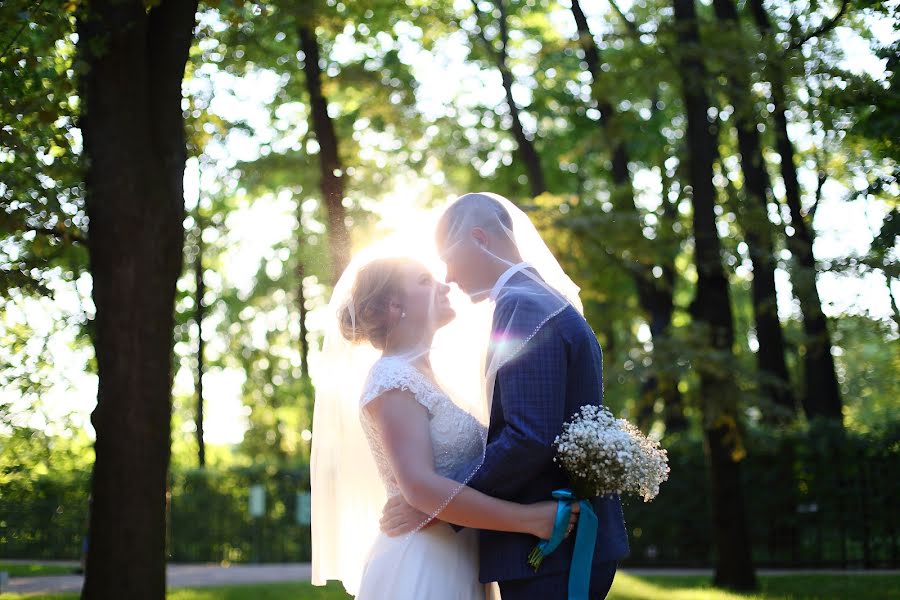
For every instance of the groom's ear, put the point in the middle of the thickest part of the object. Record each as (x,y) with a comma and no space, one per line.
(480,236)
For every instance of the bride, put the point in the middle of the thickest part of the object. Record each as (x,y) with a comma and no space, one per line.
(385,427)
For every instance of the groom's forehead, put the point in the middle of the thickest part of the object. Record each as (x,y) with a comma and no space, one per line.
(452,225)
(448,243)
(447,234)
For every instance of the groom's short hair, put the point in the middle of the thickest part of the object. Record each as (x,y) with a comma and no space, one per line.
(481,210)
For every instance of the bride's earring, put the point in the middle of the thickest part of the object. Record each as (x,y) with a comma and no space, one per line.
(400,306)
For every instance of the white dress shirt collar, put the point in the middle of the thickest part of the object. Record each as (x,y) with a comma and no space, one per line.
(504,279)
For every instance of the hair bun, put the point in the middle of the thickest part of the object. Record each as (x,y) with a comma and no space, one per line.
(365,317)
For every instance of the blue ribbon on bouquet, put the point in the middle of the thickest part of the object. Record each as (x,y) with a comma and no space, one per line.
(585,540)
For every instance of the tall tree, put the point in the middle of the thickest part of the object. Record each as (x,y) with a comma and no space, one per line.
(330,168)
(655,294)
(133,61)
(821,395)
(711,311)
(199,315)
(498,50)
(770,356)
(303,316)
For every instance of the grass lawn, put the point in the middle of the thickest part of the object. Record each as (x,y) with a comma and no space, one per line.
(626,587)
(783,587)
(26,570)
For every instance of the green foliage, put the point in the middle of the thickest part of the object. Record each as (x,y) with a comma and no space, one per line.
(43,494)
(209,518)
(43,514)
(42,218)
(821,498)
(844,126)
(263,342)
(389,135)
(31,570)
(863,358)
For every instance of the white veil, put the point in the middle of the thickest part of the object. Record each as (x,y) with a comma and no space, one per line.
(347,492)
(537,292)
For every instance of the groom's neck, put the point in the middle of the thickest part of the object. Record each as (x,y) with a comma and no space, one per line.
(503,261)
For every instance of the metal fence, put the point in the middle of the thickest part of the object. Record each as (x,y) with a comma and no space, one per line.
(210,517)
(830,502)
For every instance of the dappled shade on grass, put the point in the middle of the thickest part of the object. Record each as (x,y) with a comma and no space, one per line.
(32,570)
(782,587)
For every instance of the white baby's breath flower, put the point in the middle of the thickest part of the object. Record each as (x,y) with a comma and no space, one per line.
(604,455)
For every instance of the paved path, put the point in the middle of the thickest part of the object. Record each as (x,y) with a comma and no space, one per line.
(178,576)
(207,575)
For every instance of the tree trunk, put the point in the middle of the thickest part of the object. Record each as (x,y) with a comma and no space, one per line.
(199,314)
(822,396)
(711,311)
(527,153)
(525,147)
(654,295)
(331,171)
(894,308)
(134,143)
(301,304)
(674,418)
(770,356)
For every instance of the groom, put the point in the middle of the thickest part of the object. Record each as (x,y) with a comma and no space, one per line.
(545,383)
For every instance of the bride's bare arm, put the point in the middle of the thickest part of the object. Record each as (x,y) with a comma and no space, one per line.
(403,426)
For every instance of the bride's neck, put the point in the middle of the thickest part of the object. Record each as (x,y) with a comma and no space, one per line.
(417,351)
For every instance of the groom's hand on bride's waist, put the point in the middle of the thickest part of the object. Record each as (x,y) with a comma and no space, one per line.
(399,518)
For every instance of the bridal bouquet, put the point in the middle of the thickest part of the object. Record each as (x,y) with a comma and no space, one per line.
(605,455)
(601,455)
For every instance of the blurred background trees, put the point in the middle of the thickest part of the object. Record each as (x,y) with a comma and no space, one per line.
(720,179)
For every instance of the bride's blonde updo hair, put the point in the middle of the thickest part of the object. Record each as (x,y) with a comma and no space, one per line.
(365,317)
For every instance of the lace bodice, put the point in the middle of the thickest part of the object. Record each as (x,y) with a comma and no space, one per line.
(457,438)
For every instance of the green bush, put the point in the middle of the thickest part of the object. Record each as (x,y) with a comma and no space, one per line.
(822,499)
(44,516)
(209,518)
(815,499)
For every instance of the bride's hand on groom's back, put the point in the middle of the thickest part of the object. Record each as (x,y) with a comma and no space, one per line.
(399,518)
(544,517)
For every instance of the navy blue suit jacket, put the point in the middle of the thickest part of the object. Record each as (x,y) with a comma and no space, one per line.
(558,371)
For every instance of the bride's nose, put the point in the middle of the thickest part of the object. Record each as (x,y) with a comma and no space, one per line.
(443,289)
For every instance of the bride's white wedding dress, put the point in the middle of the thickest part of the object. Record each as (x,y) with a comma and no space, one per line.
(435,563)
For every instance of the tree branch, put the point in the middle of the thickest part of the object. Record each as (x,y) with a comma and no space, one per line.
(586,39)
(504,31)
(482,35)
(632,26)
(894,307)
(60,234)
(822,178)
(19,32)
(821,157)
(591,235)
(635,32)
(822,29)
(499,56)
